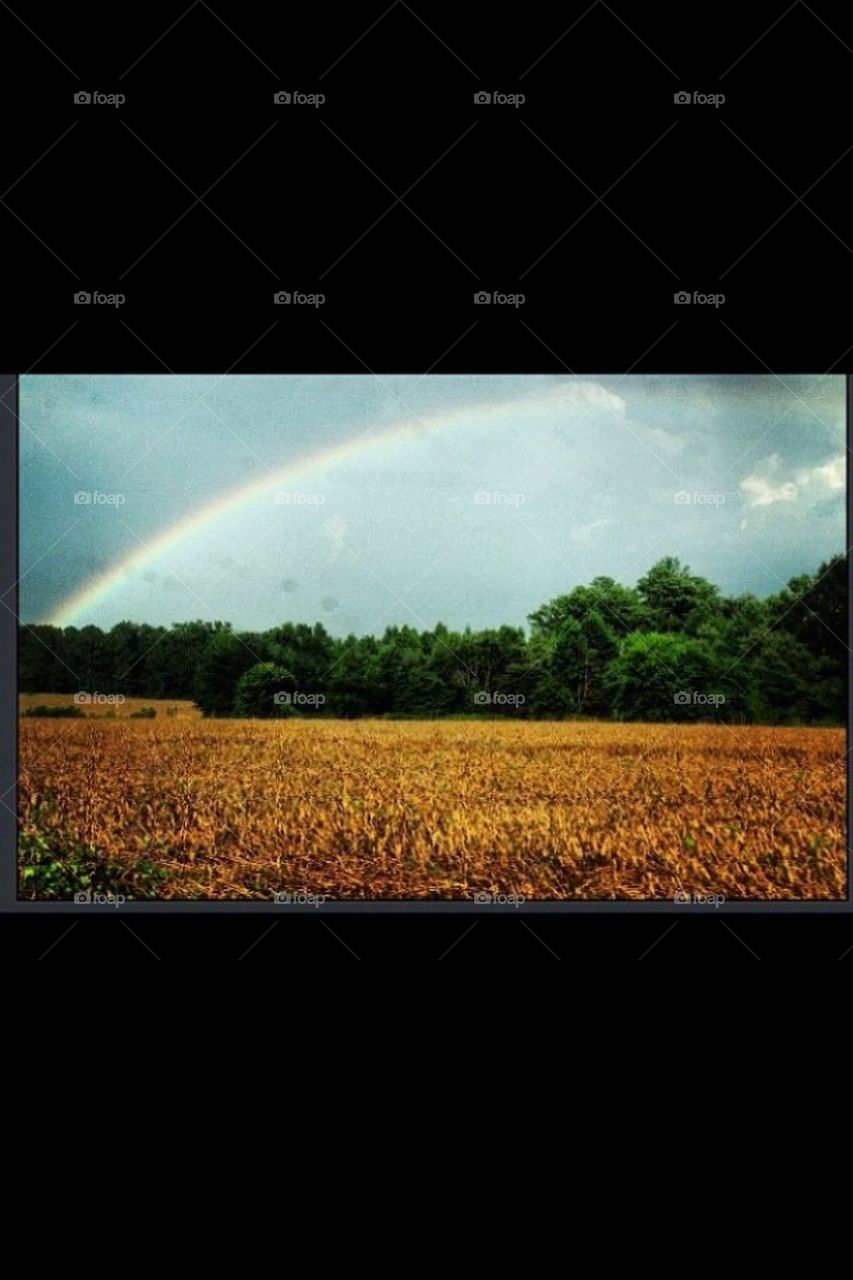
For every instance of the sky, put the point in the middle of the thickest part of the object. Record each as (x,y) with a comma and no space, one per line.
(364,501)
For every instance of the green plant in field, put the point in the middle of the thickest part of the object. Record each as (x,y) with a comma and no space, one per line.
(48,873)
(54,713)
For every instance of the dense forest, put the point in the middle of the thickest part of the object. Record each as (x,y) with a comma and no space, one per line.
(671,648)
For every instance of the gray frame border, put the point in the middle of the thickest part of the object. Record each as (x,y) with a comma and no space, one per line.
(9,902)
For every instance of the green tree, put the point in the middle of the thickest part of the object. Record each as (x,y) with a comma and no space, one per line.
(675,599)
(661,676)
(352,677)
(264,692)
(42,661)
(597,650)
(620,607)
(224,659)
(781,674)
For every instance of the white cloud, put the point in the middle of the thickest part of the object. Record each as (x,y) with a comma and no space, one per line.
(830,475)
(766,485)
(663,443)
(592,394)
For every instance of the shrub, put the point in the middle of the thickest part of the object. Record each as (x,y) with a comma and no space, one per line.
(264,691)
(45,872)
(55,713)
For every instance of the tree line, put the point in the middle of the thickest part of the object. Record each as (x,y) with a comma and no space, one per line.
(670,648)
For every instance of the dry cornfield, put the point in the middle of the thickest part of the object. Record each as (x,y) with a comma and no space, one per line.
(184,808)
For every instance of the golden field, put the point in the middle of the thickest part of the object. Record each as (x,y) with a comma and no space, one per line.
(181,808)
(170,707)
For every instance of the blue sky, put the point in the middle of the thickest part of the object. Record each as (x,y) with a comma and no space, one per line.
(465,499)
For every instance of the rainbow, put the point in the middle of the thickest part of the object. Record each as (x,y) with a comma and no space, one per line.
(93,592)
